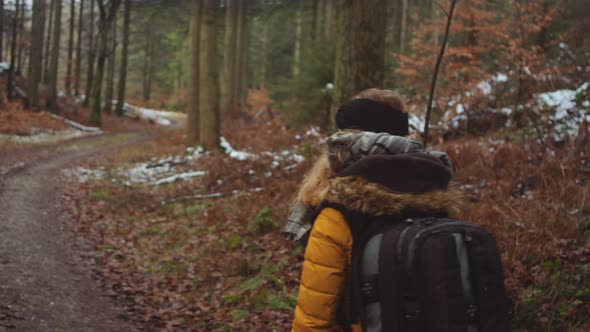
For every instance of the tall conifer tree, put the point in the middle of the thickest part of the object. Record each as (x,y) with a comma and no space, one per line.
(209,77)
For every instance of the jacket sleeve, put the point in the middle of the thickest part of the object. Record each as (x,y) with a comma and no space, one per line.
(323,279)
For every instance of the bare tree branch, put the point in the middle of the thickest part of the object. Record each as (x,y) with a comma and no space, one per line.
(441,7)
(436,68)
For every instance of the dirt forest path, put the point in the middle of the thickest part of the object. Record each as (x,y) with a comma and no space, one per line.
(44,285)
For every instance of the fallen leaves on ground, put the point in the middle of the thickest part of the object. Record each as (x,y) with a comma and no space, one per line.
(185,262)
(15,121)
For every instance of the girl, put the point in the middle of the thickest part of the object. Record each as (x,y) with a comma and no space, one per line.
(368,168)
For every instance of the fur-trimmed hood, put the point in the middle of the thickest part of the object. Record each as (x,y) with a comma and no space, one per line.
(411,183)
(357,194)
(376,175)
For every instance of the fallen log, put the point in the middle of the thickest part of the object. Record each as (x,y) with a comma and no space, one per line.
(74,124)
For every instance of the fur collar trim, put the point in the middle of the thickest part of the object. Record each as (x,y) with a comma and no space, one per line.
(359,195)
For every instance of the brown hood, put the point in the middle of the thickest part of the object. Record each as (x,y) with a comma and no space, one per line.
(394,185)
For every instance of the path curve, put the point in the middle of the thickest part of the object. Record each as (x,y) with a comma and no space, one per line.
(43,286)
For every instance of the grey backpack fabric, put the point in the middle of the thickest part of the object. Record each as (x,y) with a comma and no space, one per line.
(426,275)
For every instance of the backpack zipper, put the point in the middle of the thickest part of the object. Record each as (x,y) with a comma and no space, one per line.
(434,230)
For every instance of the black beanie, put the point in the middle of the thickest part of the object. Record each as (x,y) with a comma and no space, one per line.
(368,115)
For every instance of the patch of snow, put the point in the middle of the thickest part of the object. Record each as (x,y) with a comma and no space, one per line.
(527,70)
(460,109)
(239,155)
(4,67)
(164,170)
(564,102)
(194,153)
(75,124)
(49,136)
(284,156)
(159,117)
(485,87)
(295,157)
(313,132)
(146,172)
(181,176)
(501,78)
(290,167)
(85,174)
(417,122)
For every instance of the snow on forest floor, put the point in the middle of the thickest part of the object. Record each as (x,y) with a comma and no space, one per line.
(180,167)
(48,136)
(564,109)
(47,128)
(162,118)
(567,115)
(20,127)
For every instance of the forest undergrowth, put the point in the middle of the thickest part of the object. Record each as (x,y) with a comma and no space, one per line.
(206,254)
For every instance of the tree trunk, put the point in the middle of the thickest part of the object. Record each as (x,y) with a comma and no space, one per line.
(110,83)
(150,72)
(244,59)
(209,78)
(70,48)
(403,27)
(264,54)
(36,57)
(147,65)
(78,68)
(360,59)
(228,98)
(10,80)
(54,62)
(91,55)
(1,30)
(47,54)
(396,25)
(192,130)
(21,39)
(330,20)
(298,36)
(436,31)
(241,51)
(106,16)
(319,19)
(124,52)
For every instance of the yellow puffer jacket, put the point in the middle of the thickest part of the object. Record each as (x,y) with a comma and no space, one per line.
(326,268)
(325,274)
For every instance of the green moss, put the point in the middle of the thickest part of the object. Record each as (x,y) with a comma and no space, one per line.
(100,194)
(233,241)
(239,315)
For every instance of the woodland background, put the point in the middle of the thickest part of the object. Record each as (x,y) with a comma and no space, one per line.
(241,92)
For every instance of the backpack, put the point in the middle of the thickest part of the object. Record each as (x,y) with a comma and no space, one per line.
(427,274)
